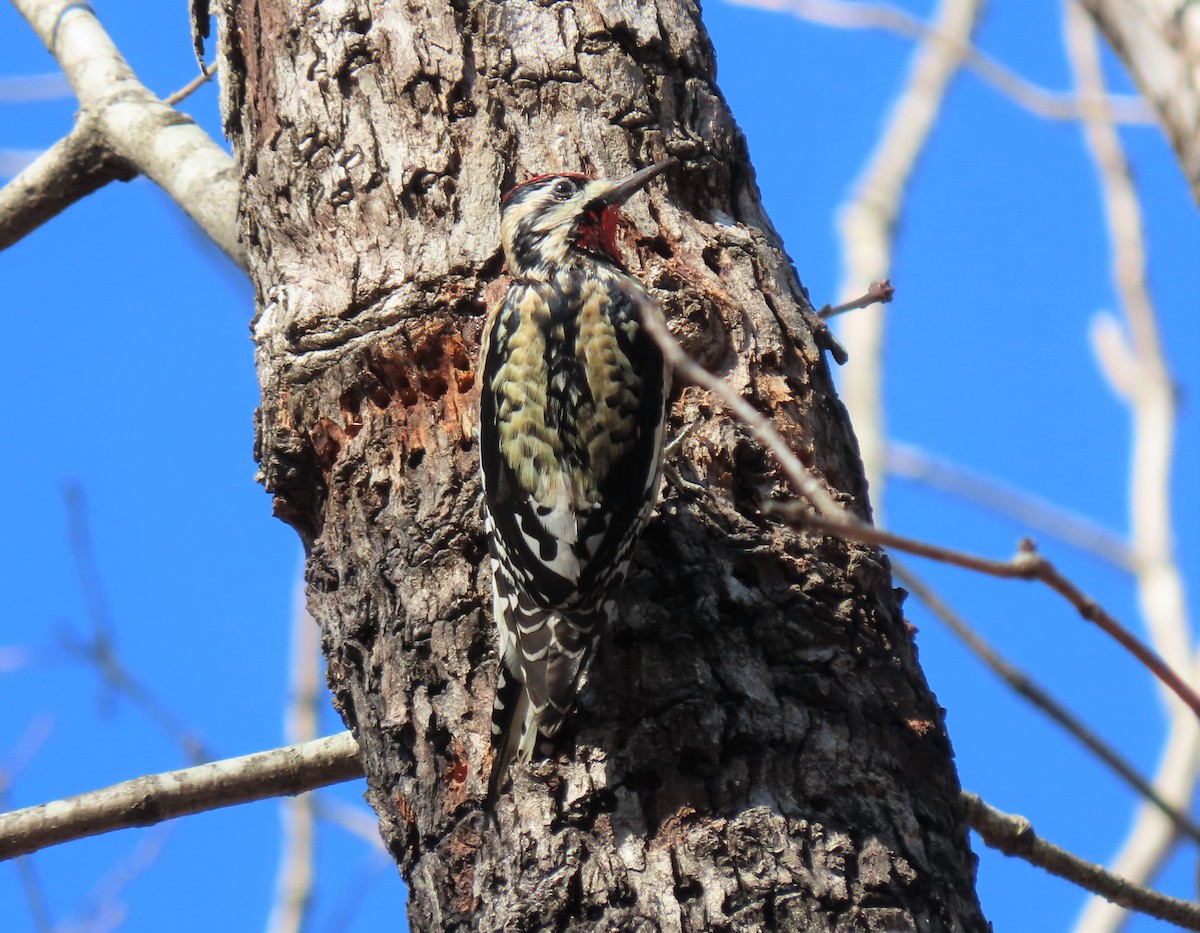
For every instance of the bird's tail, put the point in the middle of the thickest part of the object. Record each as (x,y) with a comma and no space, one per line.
(550,654)
(513,722)
(544,653)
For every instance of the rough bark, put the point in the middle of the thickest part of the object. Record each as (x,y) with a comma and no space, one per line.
(1159,41)
(756,747)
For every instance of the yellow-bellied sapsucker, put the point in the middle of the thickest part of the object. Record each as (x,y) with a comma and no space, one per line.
(571,444)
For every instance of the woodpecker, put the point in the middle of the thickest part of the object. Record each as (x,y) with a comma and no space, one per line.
(571,445)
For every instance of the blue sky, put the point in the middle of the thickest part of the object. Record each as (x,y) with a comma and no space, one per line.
(129,375)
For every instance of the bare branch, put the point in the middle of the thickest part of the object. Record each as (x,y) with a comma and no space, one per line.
(113,672)
(139,129)
(1159,41)
(866,223)
(1152,837)
(1138,372)
(1028,564)
(1160,584)
(294,877)
(153,798)
(48,182)
(830,517)
(1014,835)
(877,293)
(192,86)
(683,365)
(70,170)
(912,463)
(1049,105)
(1027,687)
(80,534)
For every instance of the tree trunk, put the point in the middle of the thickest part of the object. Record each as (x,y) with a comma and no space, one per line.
(755,747)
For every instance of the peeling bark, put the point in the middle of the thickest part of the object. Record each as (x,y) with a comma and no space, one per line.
(756,747)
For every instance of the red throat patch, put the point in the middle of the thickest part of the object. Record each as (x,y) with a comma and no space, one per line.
(598,232)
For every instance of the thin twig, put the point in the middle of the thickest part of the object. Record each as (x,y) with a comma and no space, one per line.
(192,86)
(1041,102)
(1014,835)
(80,535)
(830,517)
(1027,564)
(100,650)
(913,463)
(1027,687)
(1152,837)
(876,293)
(153,798)
(115,675)
(683,365)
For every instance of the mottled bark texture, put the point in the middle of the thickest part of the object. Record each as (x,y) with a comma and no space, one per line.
(756,747)
(1159,41)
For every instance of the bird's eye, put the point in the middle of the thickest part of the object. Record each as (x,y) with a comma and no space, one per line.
(563,189)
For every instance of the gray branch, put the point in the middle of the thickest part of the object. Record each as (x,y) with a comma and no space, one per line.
(68,171)
(123,128)
(156,797)
(1159,41)
(1014,835)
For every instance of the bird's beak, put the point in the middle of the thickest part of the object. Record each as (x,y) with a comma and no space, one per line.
(623,188)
